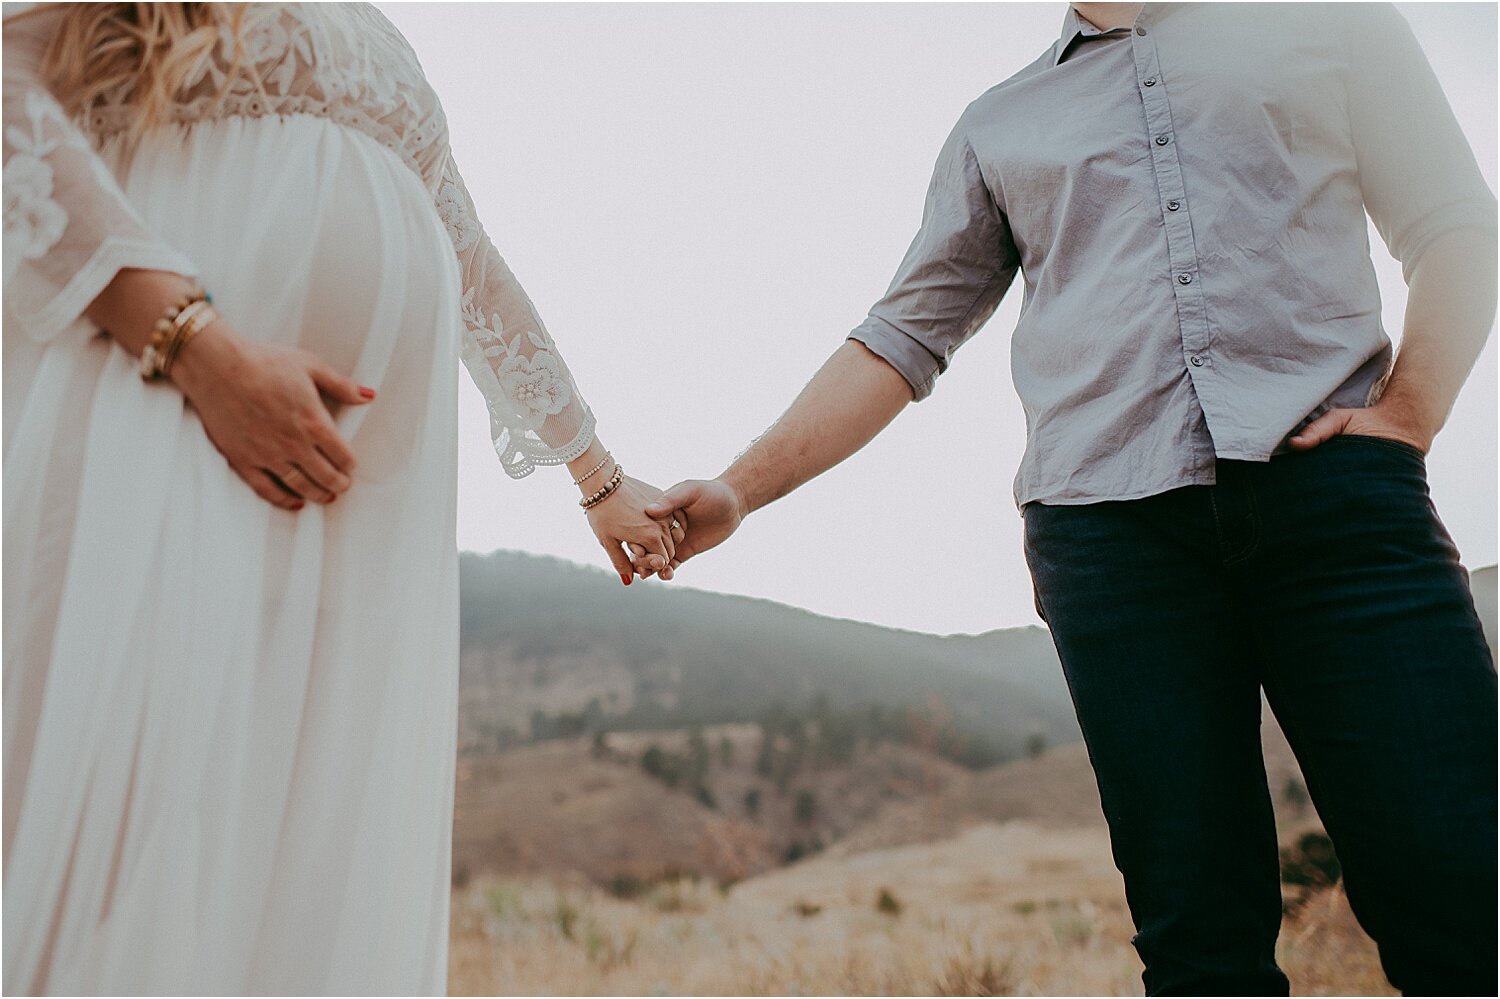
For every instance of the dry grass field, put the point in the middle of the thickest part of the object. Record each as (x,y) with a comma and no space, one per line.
(600,865)
(998,882)
(1013,909)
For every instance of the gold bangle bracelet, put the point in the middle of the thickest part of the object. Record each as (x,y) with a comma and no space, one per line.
(188,324)
(167,329)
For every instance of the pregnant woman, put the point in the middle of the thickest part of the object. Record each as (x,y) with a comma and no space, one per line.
(240,270)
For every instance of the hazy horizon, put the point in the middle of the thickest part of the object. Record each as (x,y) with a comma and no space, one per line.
(704,199)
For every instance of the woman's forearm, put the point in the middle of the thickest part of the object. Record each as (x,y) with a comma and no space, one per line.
(128,308)
(130,305)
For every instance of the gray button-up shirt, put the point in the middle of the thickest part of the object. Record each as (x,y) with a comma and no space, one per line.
(1185,201)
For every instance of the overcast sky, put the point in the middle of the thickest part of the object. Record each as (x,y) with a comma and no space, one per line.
(704,199)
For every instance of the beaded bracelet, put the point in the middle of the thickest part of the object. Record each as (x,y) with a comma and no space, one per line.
(602,462)
(152,356)
(609,487)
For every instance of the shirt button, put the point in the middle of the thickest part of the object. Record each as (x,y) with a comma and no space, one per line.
(1161,140)
(1184,279)
(1150,81)
(1140,31)
(1172,206)
(1197,360)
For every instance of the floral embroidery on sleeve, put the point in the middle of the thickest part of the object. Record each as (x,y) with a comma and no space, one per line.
(513,360)
(34,222)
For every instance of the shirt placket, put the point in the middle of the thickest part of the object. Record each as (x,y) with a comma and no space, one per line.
(1176,214)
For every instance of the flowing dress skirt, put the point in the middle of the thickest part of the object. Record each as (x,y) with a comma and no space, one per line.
(230,729)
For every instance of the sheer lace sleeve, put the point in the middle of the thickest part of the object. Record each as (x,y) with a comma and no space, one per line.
(537,416)
(68,227)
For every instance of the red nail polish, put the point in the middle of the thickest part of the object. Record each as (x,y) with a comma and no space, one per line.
(368,393)
(298,506)
(624,579)
(333,497)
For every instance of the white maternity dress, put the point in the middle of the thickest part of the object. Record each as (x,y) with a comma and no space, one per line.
(229,729)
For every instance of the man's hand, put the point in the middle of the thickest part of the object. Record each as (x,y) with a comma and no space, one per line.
(1382,419)
(709,510)
(1450,304)
(850,400)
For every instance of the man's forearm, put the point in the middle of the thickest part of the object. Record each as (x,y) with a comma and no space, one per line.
(1450,308)
(850,400)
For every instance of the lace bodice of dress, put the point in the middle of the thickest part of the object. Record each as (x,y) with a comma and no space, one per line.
(345,62)
(341,61)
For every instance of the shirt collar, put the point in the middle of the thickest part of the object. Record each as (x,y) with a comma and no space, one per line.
(1075,26)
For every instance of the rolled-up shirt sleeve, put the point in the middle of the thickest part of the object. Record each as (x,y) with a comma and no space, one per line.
(1417,172)
(953,277)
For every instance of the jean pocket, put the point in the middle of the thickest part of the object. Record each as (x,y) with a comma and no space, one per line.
(1389,442)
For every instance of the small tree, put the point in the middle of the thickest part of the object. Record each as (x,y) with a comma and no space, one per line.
(805,808)
(836,738)
(765,757)
(1295,794)
(697,754)
(654,761)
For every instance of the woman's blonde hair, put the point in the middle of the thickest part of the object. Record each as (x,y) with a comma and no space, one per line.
(143,54)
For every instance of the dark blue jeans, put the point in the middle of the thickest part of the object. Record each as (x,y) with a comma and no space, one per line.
(1326,579)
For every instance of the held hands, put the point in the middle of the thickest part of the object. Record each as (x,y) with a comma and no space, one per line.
(620,519)
(708,509)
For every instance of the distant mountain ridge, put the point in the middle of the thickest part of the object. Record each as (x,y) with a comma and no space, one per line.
(546,640)
(543,637)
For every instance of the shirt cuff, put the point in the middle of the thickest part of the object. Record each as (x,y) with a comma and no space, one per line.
(1475,213)
(902,352)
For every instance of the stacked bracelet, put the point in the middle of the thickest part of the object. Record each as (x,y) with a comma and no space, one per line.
(604,493)
(181,322)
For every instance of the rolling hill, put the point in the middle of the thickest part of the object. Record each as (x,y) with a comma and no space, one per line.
(554,648)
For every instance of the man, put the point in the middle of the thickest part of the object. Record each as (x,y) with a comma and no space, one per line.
(1224,485)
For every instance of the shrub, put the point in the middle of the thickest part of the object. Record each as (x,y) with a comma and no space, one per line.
(654,760)
(1311,862)
(626,886)
(752,801)
(566,914)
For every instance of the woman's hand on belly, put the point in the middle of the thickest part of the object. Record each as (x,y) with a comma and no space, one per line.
(266,409)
